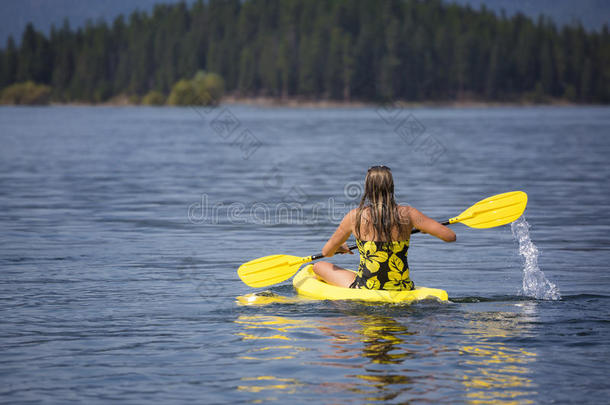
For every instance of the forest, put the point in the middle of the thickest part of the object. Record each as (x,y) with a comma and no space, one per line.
(350,50)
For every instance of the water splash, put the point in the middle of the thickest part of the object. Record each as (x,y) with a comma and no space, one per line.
(535,283)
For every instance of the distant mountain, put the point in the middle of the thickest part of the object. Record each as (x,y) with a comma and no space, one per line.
(15,14)
(592,14)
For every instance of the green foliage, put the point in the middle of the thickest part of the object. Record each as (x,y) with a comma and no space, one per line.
(183,93)
(153,97)
(134,99)
(28,93)
(210,87)
(338,49)
(203,89)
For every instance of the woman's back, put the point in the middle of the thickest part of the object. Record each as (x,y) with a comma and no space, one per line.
(383,263)
(382,229)
(365,229)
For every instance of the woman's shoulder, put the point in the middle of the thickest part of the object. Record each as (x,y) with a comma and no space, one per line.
(408,209)
(363,212)
(351,215)
(404,209)
(406,212)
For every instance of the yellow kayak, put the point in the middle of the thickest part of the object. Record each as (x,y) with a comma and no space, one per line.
(308,285)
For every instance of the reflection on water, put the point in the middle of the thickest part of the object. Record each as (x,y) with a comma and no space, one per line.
(351,342)
(494,371)
(383,341)
(267,382)
(273,332)
(266,298)
(382,336)
(375,357)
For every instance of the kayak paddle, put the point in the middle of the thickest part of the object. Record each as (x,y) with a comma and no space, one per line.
(497,210)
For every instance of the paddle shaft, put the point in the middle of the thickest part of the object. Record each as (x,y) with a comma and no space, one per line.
(352,247)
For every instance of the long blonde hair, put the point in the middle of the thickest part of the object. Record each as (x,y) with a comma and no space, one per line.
(379,197)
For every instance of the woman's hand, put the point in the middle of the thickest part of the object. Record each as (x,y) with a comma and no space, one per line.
(344,249)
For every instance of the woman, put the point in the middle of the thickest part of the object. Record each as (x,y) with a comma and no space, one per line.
(382,229)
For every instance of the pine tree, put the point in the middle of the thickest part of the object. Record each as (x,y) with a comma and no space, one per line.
(34,61)
(247,72)
(348,66)
(268,71)
(341,49)
(9,63)
(334,64)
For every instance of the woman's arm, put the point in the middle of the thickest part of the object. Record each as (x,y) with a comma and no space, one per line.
(428,225)
(344,230)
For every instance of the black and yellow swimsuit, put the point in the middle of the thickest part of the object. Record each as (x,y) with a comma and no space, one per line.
(383,266)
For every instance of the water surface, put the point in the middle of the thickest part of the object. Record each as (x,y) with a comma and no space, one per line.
(122,230)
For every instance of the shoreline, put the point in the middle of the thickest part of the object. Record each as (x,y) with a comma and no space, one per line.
(296,102)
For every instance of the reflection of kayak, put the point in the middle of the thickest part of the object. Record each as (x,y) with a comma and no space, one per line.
(266,298)
(307,284)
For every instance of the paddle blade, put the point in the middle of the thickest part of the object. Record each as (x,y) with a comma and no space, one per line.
(500,209)
(270,270)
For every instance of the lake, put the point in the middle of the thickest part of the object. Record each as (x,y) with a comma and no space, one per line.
(122,229)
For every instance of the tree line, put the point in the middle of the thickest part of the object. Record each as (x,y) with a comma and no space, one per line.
(326,49)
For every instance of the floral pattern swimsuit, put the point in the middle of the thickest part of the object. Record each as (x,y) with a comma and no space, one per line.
(383,266)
